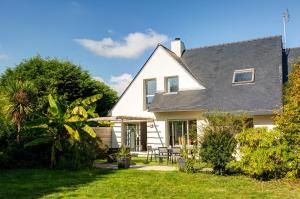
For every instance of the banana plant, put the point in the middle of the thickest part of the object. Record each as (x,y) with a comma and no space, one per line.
(65,123)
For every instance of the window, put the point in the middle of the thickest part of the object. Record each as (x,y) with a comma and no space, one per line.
(243,76)
(150,89)
(182,132)
(172,84)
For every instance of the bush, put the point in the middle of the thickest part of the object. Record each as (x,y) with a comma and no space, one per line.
(218,142)
(186,163)
(288,121)
(262,153)
(217,149)
(16,156)
(81,154)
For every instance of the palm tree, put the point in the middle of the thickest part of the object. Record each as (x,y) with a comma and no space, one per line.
(65,123)
(17,100)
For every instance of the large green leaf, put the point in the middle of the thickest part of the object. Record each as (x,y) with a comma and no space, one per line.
(38,141)
(54,108)
(89,130)
(91,111)
(91,99)
(41,126)
(75,103)
(75,118)
(79,110)
(73,132)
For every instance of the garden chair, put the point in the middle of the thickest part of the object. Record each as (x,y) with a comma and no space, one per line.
(163,152)
(175,153)
(151,152)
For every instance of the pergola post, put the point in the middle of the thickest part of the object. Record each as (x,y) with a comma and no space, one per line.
(123,133)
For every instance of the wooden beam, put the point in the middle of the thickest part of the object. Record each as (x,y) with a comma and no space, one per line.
(120,119)
(123,133)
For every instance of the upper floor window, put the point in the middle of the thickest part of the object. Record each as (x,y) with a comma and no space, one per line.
(243,76)
(172,84)
(150,89)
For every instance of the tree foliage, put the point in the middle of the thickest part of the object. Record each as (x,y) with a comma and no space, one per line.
(288,121)
(262,153)
(218,143)
(17,100)
(60,78)
(64,123)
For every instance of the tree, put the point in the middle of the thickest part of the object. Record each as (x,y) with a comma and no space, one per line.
(65,123)
(261,153)
(288,121)
(17,100)
(218,143)
(63,79)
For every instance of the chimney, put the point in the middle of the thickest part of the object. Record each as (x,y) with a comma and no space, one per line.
(177,46)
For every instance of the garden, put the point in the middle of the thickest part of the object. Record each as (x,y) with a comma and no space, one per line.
(48,148)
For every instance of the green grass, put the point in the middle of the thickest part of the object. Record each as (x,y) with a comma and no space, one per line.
(101,183)
(143,161)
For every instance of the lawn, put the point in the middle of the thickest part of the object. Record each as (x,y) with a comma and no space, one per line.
(102,183)
(143,161)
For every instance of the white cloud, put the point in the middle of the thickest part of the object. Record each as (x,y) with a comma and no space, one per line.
(120,83)
(131,46)
(3,56)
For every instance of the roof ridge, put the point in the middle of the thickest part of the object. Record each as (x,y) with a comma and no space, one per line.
(179,59)
(235,42)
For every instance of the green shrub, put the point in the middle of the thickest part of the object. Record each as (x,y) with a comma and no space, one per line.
(262,153)
(288,121)
(186,162)
(81,154)
(218,142)
(16,156)
(217,149)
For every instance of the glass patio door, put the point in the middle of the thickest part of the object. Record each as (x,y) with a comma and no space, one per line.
(178,132)
(182,131)
(133,140)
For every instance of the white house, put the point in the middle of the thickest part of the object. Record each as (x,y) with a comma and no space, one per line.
(176,87)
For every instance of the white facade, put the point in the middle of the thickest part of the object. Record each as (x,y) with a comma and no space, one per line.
(132,103)
(159,66)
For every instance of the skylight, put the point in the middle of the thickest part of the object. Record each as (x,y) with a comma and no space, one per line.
(243,76)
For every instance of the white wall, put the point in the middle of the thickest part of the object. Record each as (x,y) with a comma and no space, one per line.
(155,134)
(159,66)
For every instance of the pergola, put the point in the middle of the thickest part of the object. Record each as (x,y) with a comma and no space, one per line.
(123,120)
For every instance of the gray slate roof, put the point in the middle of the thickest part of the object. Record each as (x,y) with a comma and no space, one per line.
(213,67)
(293,56)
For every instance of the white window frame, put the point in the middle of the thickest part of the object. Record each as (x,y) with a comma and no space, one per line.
(171,133)
(166,84)
(145,92)
(252,70)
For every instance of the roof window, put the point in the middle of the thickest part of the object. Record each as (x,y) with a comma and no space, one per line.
(243,76)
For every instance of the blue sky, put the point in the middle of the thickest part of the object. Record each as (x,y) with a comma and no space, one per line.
(112,39)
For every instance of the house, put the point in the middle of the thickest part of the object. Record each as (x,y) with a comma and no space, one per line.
(176,87)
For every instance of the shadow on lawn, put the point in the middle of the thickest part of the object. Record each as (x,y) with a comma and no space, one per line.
(35,183)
